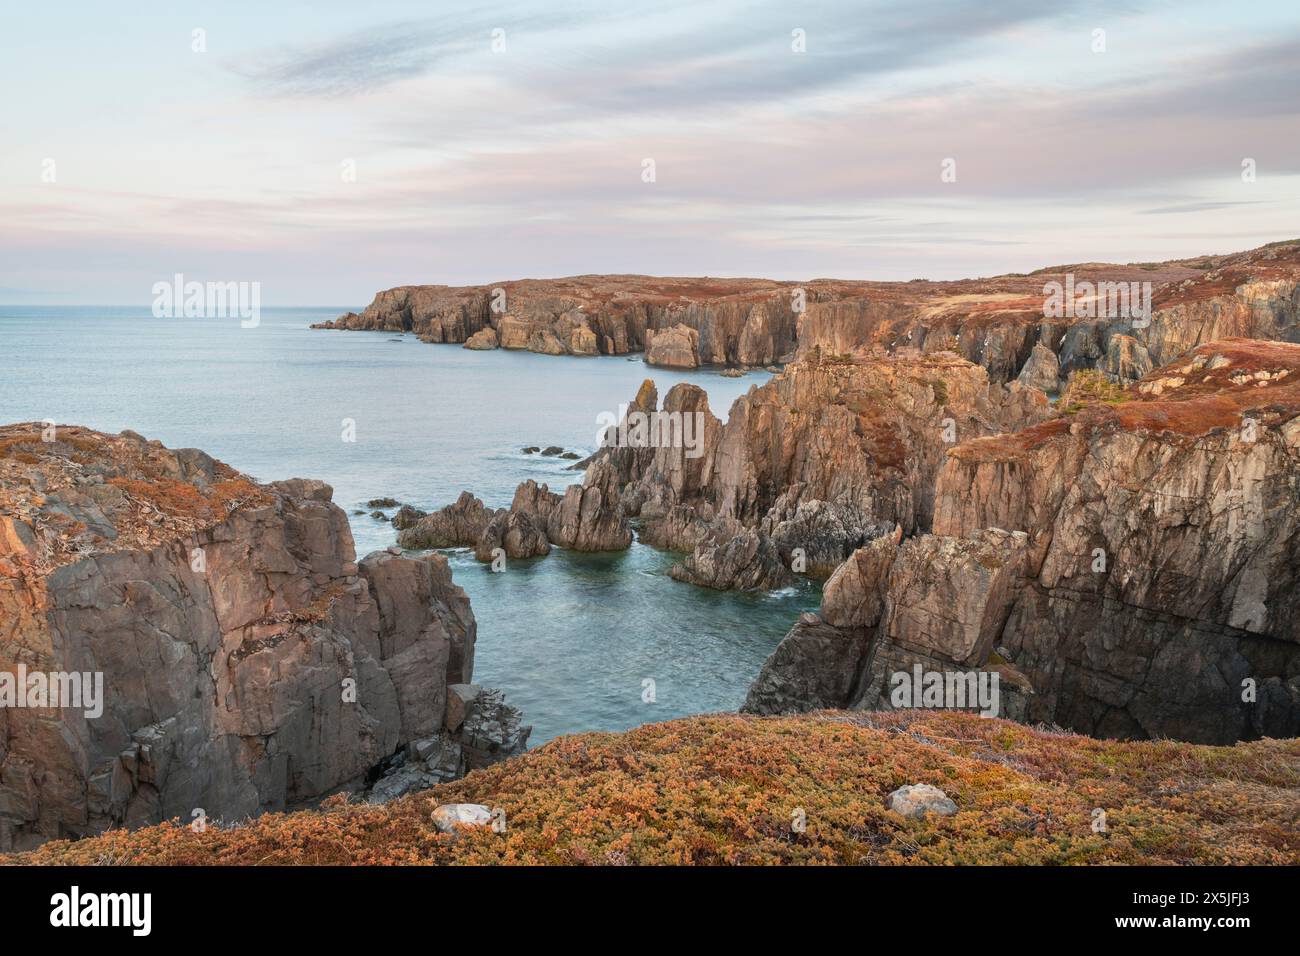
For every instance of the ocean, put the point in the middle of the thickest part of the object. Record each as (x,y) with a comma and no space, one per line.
(571,638)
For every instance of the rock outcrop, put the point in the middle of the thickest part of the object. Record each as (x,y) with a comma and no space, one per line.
(1042,370)
(1129,568)
(587,517)
(245,660)
(516,533)
(734,322)
(997,323)
(479,729)
(826,456)
(733,557)
(590,515)
(484,339)
(678,347)
(458,525)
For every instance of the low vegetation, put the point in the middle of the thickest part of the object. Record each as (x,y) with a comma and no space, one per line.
(726,789)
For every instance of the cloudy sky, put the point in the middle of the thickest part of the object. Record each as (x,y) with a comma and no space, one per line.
(331,149)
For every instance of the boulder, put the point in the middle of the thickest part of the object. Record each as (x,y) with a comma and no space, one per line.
(677,347)
(450,817)
(484,339)
(458,525)
(916,800)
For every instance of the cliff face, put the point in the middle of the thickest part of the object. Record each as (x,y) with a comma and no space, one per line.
(829,454)
(248,662)
(682,322)
(996,323)
(1130,567)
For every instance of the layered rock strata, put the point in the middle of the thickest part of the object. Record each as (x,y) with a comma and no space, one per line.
(587,517)
(831,453)
(997,323)
(247,661)
(1129,568)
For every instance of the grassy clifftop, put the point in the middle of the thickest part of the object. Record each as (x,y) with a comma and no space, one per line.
(724,790)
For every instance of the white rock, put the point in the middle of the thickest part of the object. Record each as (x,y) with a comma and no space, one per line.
(450,815)
(918,799)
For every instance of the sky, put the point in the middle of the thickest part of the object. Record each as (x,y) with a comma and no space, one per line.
(327,150)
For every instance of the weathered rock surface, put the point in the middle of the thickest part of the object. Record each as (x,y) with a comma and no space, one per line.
(733,557)
(918,799)
(516,533)
(590,515)
(678,347)
(458,525)
(1127,359)
(248,661)
(815,667)
(1130,569)
(1042,370)
(996,323)
(484,339)
(407,517)
(825,457)
(818,535)
(854,596)
(479,729)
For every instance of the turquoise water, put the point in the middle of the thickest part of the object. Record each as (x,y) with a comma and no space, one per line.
(571,637)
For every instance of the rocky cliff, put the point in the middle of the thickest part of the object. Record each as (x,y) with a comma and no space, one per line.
(1128,567)
(682,322)
(830,453)
(587,517)
(245,660)
(999,323)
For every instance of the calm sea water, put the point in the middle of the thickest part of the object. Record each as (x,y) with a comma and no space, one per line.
(570,637)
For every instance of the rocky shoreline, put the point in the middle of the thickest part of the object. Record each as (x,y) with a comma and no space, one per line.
(997,323)
(1101,515)
(966,522)
(248,661)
